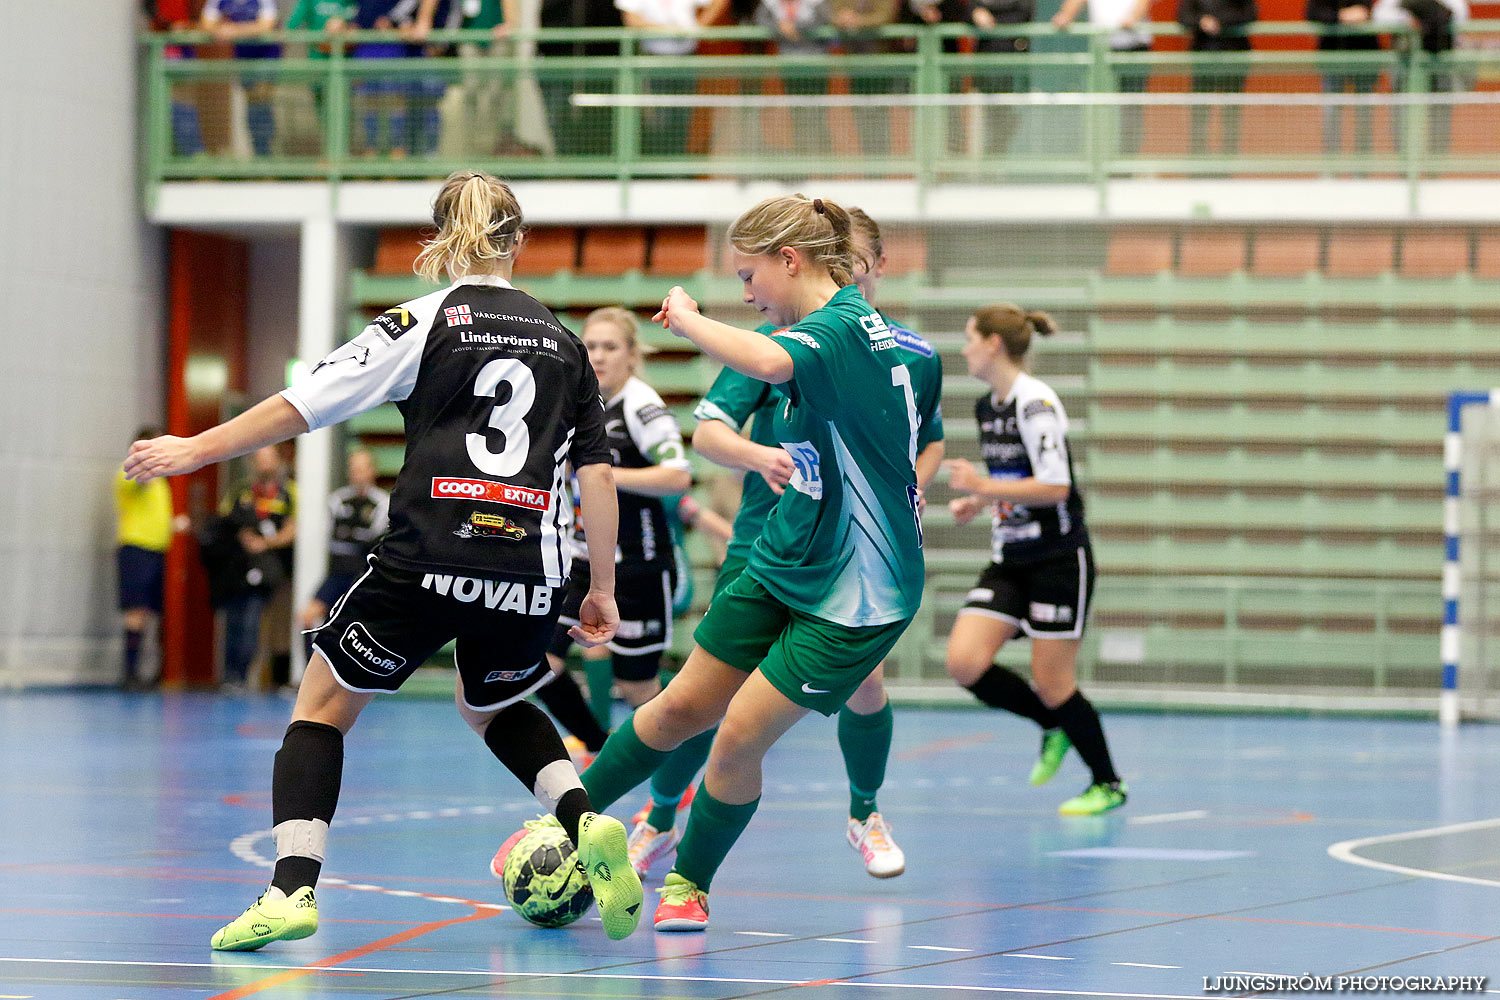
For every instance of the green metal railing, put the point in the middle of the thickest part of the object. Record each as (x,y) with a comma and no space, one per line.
(1070,109)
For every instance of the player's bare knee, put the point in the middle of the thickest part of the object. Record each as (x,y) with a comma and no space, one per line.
(678,715)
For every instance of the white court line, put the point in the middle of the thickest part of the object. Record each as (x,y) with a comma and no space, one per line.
(847,940)
(1146,965)
(1177,817)
(935,947)
(1344,851)
(945,988)
(1045,958)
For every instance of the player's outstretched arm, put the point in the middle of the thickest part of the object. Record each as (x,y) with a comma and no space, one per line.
(270,421)
(598,617)
(746,351)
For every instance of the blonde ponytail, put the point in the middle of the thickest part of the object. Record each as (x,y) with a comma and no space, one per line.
(820,229)
(478,222)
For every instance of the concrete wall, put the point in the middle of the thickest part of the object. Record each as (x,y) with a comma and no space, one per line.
(80,278)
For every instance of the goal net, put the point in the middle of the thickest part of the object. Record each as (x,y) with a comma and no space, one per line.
(1471,577)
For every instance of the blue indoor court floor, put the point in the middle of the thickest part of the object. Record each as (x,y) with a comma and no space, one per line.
(133,826)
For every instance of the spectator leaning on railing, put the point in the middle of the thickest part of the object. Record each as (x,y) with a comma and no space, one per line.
(1122,17)
(1214,26)
(228,20)
(857,22)
(1000,121)
(1340,78)
(664,130)
(1433,21)
(794,26)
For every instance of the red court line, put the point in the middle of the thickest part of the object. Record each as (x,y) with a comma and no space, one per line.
(938,746)
(316,968)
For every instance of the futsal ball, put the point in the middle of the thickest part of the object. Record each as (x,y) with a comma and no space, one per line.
(542,880)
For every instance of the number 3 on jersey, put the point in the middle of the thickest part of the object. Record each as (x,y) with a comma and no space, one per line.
(508,418)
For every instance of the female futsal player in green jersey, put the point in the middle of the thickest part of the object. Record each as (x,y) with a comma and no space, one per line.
(836,575)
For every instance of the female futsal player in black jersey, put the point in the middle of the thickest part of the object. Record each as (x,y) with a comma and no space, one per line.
(1041,575)
(496,396)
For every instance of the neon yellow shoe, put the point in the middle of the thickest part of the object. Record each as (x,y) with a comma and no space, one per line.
(286,918)
(1095,799)
(1055,746)
(604,856)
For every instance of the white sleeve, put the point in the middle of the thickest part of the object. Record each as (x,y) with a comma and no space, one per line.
(369,370)
(267,10)
(656,433)
(382,517)
(210,12)
(1044,430)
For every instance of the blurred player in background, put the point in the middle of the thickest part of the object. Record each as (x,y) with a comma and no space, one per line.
(1041,574)
(359,514)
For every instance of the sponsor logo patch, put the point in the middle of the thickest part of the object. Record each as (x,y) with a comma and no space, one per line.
(364,650)
(394,322)
(1059,614)
(507,676)
(490,526)
(808,476)
(800,338)
(444,488)
(459,316)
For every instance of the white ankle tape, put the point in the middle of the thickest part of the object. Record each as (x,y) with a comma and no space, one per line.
(553,782)
(300,838)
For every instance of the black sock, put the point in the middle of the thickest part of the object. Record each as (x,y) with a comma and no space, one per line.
(523,739)
(565,701)
(1081,722)
(1001,688)
(304,787)
(133,640)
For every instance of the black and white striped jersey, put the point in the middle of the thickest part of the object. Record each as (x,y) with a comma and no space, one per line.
(1025,436)
(497,396)
(642,432)
(359,517)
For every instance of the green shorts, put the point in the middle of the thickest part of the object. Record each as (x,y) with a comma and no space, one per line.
(729,571)
(814,662)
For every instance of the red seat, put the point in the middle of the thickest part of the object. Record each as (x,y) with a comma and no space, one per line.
(396,251)
(547,250)
(1360,253)
(1138,253)
(609,251)
(679,250)
(1211,253)
(1434,253)
(1285,253)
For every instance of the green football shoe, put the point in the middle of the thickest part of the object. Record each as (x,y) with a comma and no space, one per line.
(604,856)
(288,918)
(1055,746)
(1096,799)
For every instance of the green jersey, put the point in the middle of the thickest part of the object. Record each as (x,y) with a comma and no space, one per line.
(739,399)
(314,15)
(843,542)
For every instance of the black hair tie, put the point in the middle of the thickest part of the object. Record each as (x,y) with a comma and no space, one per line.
(818,205)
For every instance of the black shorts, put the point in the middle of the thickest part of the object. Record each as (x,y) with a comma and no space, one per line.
(1049,598)
(644,597)
(391,621)
(141,574)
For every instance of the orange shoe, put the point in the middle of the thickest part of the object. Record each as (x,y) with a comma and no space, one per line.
(683,906)
(497,863)
(683,803)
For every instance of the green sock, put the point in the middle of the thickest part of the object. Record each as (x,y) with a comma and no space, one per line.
(712,829)
(674,777)
(866,743)
(623,763)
